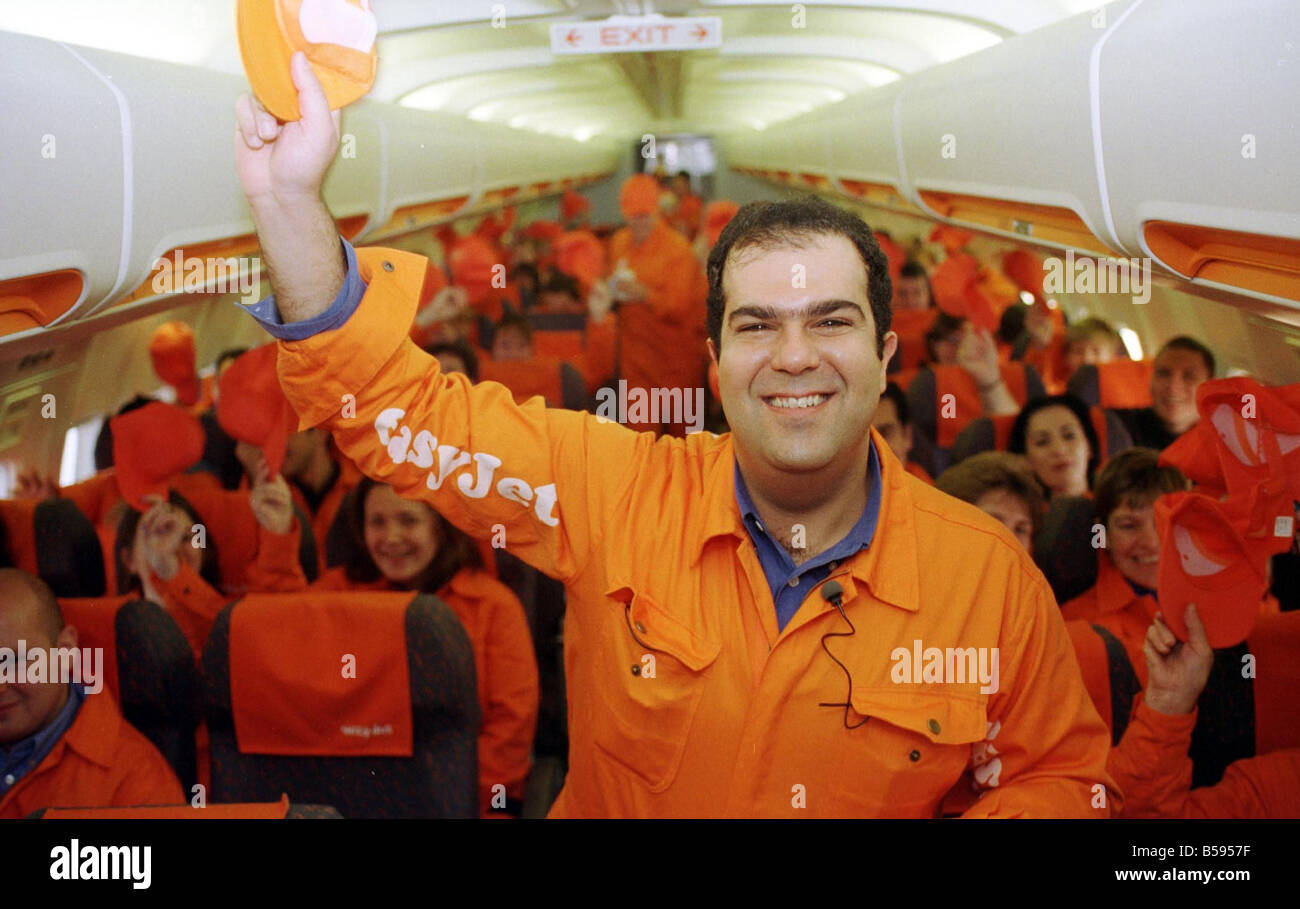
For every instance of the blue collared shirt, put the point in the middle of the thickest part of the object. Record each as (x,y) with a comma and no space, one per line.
(790,583)
(344,305)
(22,757)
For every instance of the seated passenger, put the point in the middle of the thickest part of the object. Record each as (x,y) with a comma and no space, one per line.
(409,546)
(512,341)
(1151,765)
(912,288)
(1057,438)
(1002,485)
(455,356)
(560,293)
(160,556)
(59,745)
(1179,369)
(1091,341)
(943,339)
(892,421)
(1128,567)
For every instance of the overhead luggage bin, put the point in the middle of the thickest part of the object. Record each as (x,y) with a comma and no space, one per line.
(1200,161)
(863,145)
(426,165)
(186,205)
(1002,140)
(63,185)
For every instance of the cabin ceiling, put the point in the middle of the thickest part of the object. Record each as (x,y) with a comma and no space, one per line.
(491,59)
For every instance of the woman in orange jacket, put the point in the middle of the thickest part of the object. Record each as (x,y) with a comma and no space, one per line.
(405,545)
(167,555)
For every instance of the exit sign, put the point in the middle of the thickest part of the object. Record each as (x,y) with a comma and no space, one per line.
(628,34)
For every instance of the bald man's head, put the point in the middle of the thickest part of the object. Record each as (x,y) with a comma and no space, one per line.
(29,596)
(29,619)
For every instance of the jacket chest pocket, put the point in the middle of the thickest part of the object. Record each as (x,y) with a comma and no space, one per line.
(907,756)
(651,677)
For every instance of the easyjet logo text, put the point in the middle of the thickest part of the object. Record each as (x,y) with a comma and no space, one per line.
(422,450)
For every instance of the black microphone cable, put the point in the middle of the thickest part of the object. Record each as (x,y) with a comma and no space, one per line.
(832,592)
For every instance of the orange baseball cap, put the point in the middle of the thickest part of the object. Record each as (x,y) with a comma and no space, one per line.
(1256,428)
(573,204)
(581,254)
(151,445)
(471,261)
(1205,560)
(639,196)
(717,215)
(549,231)
(1195,455)
(338,37)
(952,238)
(171,349)
(1025,270)
(956,288)
(252,407)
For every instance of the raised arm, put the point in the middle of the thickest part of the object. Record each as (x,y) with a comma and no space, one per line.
(282,167)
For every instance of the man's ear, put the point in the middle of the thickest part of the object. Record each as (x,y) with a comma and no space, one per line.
(889,350)
(713,371)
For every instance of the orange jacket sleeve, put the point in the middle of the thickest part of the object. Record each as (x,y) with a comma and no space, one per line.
(1152,765)
(1046,748)
(482,461)
(509,701)
(192,602)
(276,569)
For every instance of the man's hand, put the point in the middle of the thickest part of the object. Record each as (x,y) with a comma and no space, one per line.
(978,355)
(599,302)
(272,504)
(448,305)
(283,162)
(282,167)
(1176,672)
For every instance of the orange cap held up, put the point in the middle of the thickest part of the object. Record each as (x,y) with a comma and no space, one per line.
(338,37)
(151,445)
(171,350)
(252,407)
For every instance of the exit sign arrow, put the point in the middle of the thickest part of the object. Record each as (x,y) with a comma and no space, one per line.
(637,34)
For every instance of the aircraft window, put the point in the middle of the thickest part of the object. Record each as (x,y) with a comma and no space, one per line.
(1132,343)
(78,462)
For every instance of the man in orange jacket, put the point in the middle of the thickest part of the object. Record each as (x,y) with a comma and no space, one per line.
(758,622)
(660,288)
(59,745)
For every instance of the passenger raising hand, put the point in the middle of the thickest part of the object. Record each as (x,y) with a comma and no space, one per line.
(270,499)
(1176,671)
(977,354)
(164,540)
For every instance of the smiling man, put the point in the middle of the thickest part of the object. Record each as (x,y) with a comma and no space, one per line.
(733,601)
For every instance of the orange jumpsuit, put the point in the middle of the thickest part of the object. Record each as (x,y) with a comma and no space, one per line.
(508,689)
(1154,772)
(660,339)
(99,762)
(684,698)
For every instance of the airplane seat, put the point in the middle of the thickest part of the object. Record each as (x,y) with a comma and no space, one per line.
(598,361)
(943,401)
(528,378)
(1120,384)
(341,544)
(1112,435)
(248,811)
(573,389)
(1107,674)
(148,667)
(53,540)
(287,714)
(1063,546)
(981,434)
(559,335)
